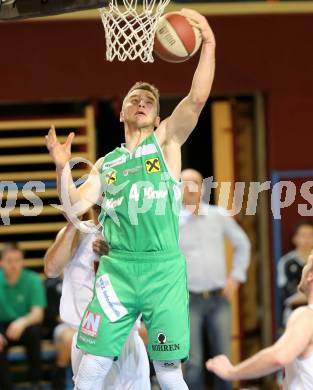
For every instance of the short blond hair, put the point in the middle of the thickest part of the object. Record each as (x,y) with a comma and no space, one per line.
(146,87)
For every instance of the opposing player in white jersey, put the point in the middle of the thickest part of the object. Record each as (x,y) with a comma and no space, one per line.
(293,351)
(73,252)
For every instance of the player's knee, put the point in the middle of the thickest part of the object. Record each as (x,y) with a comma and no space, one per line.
(169,374)
(92,371)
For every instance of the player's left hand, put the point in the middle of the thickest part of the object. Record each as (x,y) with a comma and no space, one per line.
(16,329)
(230,289)
(100,247)
(221,366)
(199,21)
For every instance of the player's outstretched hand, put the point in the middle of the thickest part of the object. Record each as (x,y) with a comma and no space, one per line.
(60,153)
(199,21)
(221,366)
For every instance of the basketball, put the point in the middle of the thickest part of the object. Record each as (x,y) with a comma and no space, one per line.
(176,40)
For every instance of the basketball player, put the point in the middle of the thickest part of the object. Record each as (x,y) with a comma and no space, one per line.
(294,350)
(74,253)
(144,271)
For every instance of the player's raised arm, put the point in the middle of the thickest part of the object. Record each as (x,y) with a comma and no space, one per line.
(82,198)
(185,116)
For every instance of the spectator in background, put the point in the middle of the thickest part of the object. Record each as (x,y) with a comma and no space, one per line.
(203,230)
(290,267)
(22,303)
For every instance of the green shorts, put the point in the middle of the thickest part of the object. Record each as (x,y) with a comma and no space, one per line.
(131,283)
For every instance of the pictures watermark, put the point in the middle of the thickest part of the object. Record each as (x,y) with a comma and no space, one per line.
(140,197)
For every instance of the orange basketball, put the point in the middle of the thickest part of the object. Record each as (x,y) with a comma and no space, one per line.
(176,40)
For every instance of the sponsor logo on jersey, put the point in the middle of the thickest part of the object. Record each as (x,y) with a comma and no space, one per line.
(112,203)
(110,177)
(145,150)
(132,170)
(150,193)
(118,161)
(153,165)
(91,324)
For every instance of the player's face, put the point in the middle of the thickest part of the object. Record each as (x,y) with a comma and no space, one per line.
(307,276)
(12,263)
(303,239)
(140,108)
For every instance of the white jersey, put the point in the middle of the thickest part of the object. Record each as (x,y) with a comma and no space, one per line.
(131,371)
(299,373)
(78,281)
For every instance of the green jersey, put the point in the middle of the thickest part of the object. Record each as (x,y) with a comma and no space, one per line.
(17,300)
(142,201)
(144,272)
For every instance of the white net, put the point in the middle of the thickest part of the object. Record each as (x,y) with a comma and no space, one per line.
(130,28)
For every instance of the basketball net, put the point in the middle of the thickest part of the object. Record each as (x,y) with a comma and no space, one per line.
(130,28)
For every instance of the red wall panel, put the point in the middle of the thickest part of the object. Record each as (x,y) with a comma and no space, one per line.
(268,53)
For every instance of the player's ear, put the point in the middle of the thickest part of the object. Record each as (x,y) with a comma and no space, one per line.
(157,121)
(121,116)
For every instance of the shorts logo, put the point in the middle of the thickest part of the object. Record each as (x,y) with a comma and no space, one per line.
(108,299)
(110,177)
(163,344)
(168,364)
(153,165)
(91,324)
(161,338)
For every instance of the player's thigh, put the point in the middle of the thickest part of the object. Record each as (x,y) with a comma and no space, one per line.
(166,311)
(76,356)
(113,310)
